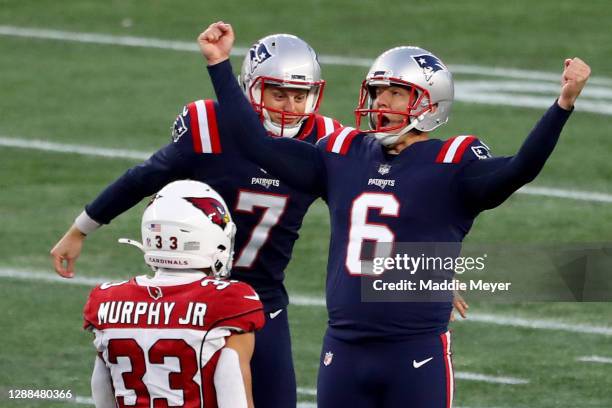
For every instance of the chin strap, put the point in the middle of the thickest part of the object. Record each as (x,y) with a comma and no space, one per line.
(387,139)
(287,131)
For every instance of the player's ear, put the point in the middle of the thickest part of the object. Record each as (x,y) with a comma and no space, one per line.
(434,108)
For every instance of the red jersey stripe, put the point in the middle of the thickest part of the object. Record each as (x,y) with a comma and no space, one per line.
(461,149)
(213,131)
(194,125)
(445,146)
(347,141)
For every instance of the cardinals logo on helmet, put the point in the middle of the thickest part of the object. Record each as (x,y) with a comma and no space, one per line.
(213,209)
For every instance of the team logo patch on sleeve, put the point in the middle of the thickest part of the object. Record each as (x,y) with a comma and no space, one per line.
(429,64)
(482,151)
(179,128)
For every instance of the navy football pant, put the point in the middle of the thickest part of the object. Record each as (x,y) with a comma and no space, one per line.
(272,365)
(377,374)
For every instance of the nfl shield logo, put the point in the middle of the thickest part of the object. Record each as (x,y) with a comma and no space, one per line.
(384,169)
(328,358)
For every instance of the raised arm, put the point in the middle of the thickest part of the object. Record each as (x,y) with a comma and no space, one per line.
(296,163)
(487,183)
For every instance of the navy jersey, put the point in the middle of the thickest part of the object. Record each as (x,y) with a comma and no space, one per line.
(430,192)
(377,197)
(267,213)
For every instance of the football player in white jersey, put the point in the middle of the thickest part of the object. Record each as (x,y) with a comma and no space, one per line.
(183,337)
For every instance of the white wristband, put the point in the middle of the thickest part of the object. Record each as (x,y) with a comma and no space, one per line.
(86,224)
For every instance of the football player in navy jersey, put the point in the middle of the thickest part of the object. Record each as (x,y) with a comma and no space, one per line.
(282,79)
(391,183)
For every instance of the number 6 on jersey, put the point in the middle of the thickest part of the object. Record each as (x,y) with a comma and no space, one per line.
(361,230)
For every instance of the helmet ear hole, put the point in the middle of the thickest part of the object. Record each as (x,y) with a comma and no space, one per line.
(221,247)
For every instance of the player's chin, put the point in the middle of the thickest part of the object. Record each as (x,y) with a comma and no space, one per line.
(286,122)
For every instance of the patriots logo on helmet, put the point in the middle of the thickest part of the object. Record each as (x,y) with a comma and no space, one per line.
(429,64)
(212,208)
(258,54)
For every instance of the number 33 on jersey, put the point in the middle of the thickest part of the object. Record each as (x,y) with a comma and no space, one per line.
(162,343)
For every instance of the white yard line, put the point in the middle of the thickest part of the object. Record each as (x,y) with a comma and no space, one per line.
(314,301)
(36,144)
(147,42)
(306,391)
(539,324)
(484,92)
(490,378)
(79,399)
(595,359)
(43,145)
(572,194)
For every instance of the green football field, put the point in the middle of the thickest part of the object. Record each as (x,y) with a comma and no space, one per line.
(88,88)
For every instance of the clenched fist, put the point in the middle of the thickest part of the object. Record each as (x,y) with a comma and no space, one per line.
(574,78)
(216,42)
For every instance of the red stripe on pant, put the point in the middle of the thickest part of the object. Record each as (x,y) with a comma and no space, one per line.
(448,365)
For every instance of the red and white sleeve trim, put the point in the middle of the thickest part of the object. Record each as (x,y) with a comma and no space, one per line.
(340,140)
(452,151)
(204,130)
(448,365)
(326,125)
